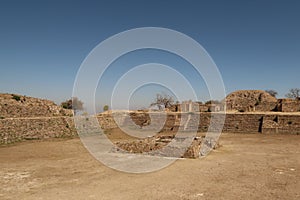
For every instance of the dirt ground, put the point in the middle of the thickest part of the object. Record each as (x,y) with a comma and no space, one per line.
(247,166)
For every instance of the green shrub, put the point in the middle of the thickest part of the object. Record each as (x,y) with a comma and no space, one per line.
(105,108)
(16,97)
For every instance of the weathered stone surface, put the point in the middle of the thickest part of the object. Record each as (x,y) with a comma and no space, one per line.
(12,106)
(18,129)
(158,145)
(250,100)
(28,118)
(288,105)
(234,122)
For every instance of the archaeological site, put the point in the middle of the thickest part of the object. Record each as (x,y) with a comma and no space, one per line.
(247,111)
(43,158)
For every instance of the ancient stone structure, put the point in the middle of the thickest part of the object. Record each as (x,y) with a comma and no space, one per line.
(23,118)
(18,129)
(234,122)
(157,145)
(250,101)
(30,118)
(242,101)
(12,105)
(288,105)
(189,106)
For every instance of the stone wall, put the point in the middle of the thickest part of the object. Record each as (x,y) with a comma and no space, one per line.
(18,129)
(28,118)
(288,105)
(284,124)
(234,122)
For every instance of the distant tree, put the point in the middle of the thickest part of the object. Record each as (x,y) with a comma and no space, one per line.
(67,104)
(74,104)
(105,108)
(294,93)
(212,102)
(163,100)
(272,92)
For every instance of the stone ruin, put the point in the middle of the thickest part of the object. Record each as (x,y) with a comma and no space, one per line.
(259,101)
(250,101)
(288,105)
(12,106)
(26,118)
(242,101)
(159,146)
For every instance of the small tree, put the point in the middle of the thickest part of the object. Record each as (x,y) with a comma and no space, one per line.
(163,100)
(105,108)
(294,93)
(74,104)
(273,93)
(212,102)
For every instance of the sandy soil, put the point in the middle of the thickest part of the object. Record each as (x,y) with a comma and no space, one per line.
(248,166)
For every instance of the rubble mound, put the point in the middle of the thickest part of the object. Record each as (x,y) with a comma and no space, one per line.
(250,100)
(13,105)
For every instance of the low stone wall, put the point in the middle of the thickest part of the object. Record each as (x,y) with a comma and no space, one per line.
(283,124)
(234,122)
(18,129)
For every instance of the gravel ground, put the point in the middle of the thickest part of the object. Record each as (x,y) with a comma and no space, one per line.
(246,166)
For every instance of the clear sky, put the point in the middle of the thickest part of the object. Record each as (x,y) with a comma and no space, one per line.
(255,44)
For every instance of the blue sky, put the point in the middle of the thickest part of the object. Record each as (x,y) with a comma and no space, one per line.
(255,44)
